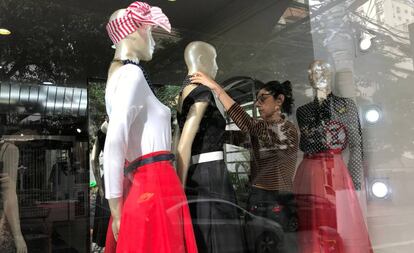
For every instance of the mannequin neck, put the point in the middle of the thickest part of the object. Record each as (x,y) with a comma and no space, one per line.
(124,52)
(192,70)
(321,95)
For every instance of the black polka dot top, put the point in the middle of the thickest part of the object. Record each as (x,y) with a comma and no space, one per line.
(332,125)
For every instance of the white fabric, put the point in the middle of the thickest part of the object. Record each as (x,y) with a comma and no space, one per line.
(138,124)
(207,157)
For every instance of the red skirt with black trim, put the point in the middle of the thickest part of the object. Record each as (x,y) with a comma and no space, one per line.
(155,215)
(330,217)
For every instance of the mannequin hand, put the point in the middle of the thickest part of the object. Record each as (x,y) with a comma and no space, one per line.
(116,223)
(199,77)
(20,244)
(101,193)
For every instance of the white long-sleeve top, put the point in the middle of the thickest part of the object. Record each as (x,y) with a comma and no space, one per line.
(138,124)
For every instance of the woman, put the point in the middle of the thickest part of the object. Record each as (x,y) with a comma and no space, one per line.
(148,206)
(274,140)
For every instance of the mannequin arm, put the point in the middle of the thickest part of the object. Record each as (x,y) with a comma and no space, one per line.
(11,204)
(190,129)
(176,139)
(96,149)
(115,205)
(225,99)
(355,163)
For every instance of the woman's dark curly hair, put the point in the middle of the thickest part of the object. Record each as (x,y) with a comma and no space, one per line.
(276,88)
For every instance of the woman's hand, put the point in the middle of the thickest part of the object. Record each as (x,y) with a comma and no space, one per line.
(201,78)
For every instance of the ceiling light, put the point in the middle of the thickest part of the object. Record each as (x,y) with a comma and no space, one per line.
(78,130)
(365,44)
(4,31)
(171,0)
(373,115)
(47,83)
(380,189)
(365,41)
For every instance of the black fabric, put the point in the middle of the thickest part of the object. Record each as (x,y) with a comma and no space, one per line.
(211,196)
(212,201)
(101,218)
(210,135)
(102,211)
(139,163)
(333,124)
(101,136)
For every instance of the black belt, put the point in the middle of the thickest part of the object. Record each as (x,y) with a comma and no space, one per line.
(139,163)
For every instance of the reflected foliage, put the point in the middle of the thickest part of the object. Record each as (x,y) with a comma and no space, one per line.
(58,46)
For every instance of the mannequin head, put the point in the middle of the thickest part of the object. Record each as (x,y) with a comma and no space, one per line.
(130,30)
(201,56)
(320,76)
(136,46)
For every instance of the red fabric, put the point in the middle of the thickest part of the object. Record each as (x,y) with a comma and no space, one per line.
(155,216)
(330,218)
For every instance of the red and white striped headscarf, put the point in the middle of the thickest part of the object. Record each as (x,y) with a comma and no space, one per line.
(137,14)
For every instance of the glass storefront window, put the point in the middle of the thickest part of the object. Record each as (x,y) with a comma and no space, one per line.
(350,65)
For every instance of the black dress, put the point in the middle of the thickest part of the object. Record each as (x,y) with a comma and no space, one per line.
(102,211)
(216,222)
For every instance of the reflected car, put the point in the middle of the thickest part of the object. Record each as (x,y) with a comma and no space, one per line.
(261,235)
(284,214)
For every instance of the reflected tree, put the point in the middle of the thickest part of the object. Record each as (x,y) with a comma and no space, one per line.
(58,46)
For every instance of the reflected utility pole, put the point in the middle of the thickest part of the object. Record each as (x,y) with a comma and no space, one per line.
(411,33)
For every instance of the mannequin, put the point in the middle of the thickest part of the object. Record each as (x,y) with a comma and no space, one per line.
(9,213)
(102,213)
(200,163)
(147,210)
(325,187)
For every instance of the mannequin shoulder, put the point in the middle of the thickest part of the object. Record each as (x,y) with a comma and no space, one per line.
(187,90)
(9,149)
(131,72)
(127,78)
(303,109)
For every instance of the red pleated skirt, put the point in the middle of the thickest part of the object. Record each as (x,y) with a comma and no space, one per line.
(330,217)
(155,215)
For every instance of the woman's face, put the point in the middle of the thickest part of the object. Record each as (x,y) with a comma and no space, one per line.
(267,104)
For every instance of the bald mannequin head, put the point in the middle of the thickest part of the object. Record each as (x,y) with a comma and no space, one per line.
(201,56)
(320,75)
